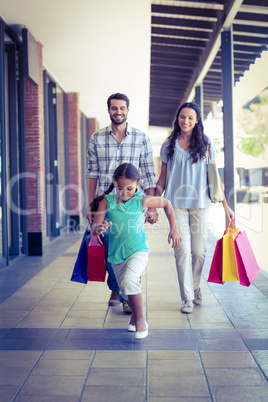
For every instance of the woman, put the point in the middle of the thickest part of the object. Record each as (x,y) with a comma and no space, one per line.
(184,178)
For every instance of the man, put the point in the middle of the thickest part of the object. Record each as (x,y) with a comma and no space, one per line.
(108,148)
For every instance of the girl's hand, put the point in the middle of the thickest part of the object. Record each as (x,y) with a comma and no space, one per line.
(175,237)
(99,228)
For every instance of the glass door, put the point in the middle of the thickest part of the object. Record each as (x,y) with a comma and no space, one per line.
(13,230)
(51,157)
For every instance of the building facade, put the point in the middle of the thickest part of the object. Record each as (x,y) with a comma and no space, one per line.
(44,138)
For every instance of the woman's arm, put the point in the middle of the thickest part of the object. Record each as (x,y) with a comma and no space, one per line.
(229,212)
(99,225)
(161,183)
(160,202)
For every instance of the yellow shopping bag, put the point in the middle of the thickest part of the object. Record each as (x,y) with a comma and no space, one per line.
(229,264)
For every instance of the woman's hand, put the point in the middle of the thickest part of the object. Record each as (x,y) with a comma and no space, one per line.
(229,212)
(175,237)
(98,229)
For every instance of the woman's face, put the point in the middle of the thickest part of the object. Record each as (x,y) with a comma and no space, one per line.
(187,119)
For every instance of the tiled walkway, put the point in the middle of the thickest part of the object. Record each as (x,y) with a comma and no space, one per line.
(59,341)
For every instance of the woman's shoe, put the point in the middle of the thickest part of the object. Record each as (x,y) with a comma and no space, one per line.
(187,307)
(131,327)
(142,334)
(198,297)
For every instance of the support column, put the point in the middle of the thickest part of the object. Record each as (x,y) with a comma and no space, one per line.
(199,99)
(92,126)
(35,162)
(75,167)
(228,118)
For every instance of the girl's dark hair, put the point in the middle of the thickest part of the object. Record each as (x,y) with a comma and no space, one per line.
(126,170)
(199,141)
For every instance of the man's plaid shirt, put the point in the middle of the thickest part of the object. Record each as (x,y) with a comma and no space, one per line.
(105,154)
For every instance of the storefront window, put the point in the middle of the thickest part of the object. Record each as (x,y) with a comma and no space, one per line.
(61,158)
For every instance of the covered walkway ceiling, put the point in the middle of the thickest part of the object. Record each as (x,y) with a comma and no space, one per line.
(186,49)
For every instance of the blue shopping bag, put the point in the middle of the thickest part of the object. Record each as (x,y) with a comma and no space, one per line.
(80,272)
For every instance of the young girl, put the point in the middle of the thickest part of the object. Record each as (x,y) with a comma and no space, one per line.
(122,213)
(184,179)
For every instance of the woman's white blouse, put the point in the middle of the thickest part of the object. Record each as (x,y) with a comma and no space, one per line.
(186,182)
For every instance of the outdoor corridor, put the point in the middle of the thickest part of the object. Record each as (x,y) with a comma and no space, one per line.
(60,342)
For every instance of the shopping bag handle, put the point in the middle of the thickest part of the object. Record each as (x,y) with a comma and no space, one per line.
(94,241)
(229,222)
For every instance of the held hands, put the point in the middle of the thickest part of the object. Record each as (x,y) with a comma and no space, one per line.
(175,237)
(151,216)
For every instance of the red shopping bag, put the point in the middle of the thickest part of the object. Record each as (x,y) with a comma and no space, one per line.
(96,260)
(247,265)
(215,273)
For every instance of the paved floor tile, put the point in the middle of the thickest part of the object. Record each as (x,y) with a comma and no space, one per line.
(240,394)
(128,376)
(13,375)
(235,377)
(68,354)
(120,359)
(41,385)
(113,393)
(174,367)
(87,314)
(43,308)
(19,358)
(230,359)
(178,386)
(47,398)
(7,392)
(172,354)
(167,323)
(61,367)
(178,399)
(41,321)
(75,322)
(256,344)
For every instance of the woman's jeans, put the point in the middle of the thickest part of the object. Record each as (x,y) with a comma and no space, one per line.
(190,256)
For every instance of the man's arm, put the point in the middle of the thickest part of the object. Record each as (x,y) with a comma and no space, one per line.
(148,176)
(92,174)
(147,165)
(151,215)
(91,191)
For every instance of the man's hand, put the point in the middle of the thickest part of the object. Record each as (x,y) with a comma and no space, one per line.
(151,216)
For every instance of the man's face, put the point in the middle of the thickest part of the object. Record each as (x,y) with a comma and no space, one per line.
(118,111)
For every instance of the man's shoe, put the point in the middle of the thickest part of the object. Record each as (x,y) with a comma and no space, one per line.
(114,298)
(198,297)
(187,307)
(126,307)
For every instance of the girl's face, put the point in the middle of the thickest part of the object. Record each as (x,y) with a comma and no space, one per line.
(125,188)
(187,119)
